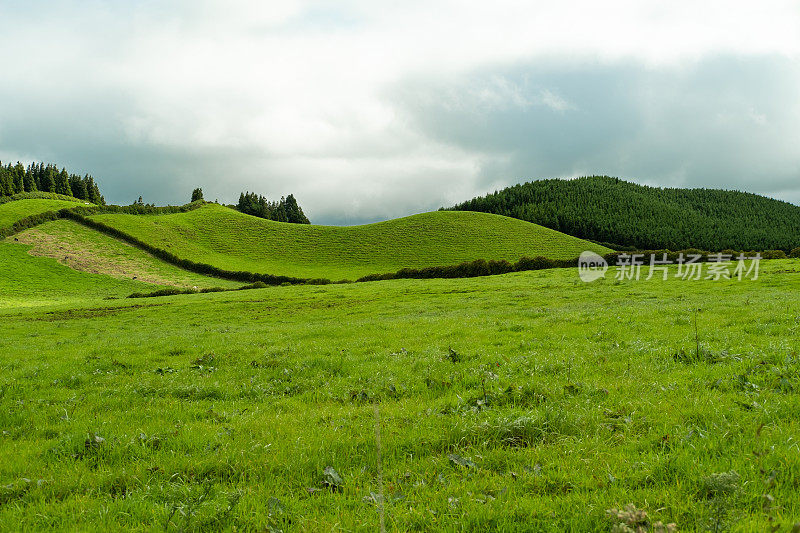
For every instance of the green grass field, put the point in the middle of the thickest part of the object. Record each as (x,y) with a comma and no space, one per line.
(87,250)
(230,240)
(558,401)
(11,212)
(522,402)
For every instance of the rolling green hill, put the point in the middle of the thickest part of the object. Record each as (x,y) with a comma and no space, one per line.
(227,239)
(87,250)
(610,210)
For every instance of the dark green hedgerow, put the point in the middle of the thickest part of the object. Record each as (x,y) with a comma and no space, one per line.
(136,209)
(29,222)
(172,291)
(481,267)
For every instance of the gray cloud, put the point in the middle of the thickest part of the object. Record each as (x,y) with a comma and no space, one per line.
(367,115)
(728,122)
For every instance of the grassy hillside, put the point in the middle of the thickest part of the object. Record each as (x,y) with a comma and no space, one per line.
(228,239)
(34,281)
(220,411)
(610,210)
(11,212)
(87,250)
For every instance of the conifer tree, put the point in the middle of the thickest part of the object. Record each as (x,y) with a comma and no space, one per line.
(28,180)
(293,212)
(48,179)
(5,182)
(78,187)
(62,183)
(18,174)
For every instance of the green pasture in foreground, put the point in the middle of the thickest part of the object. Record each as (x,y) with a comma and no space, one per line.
(230,240)
(88,250)
(558,401)
(11,212)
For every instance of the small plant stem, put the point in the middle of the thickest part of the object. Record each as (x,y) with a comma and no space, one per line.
(696,337)
(380,468)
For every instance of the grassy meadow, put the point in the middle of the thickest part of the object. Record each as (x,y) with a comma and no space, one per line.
(227,239)
(522,402)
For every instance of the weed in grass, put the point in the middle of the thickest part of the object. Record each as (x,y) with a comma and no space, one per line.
(629,519)
(701,355)
(461,461)
(200,508)
(719,490)
(453,356)
(205,362)
(331,479)
(278,516)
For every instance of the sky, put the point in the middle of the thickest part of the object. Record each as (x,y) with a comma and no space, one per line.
(370,110)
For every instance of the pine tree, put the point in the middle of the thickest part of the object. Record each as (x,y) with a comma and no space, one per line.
(285,210)
(78,187)
(62,183)
(280,211)
(5,182)
(28,182)
(92,191)
(48,179)
(38,174)
(293,212)
(18,174)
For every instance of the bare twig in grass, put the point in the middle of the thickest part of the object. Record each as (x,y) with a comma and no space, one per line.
(696,336)
(380,467)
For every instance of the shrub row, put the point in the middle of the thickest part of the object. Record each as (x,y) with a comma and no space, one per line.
(172,291)
(472,269)
(136,209)
(481,267)
(29,222)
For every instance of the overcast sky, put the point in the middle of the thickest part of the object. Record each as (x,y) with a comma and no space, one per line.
(369,110)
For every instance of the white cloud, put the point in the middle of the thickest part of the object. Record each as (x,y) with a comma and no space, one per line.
(302,85)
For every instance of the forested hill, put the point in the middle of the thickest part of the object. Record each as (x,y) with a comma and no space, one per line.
(38,177)
(610,210)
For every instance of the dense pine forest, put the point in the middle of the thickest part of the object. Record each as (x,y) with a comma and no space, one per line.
(285,210)
(609,210)
(38,177)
